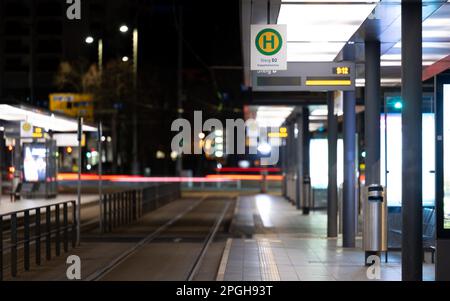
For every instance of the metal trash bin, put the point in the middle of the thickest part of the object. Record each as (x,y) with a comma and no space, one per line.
(375,221)
(307,198)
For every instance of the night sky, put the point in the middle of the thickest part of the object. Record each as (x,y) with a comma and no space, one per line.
(211,71)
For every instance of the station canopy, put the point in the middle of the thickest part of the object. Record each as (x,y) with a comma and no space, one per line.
(41,118)
(328,30)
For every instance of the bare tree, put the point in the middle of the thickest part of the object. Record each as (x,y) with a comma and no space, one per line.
(112,91)
(70,76)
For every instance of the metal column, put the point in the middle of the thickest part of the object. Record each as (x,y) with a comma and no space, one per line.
(288,161)
(299,153)
(372,112)
(349,204)
(100,174)
(179,163)
(292,163)
(79,163)
(332,195)
(306,202)
(412,253)
(372,118)
(134,117)
(284,165)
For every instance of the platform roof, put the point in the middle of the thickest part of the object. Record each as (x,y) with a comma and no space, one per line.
(41,118)
(324,30)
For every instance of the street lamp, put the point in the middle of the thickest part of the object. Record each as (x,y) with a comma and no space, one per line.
(123,28)
(90,40)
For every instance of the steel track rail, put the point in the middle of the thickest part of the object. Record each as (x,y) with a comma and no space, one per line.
(209,239)
(126,254)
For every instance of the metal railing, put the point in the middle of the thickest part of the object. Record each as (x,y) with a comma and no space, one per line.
(20,229)
(125,207)
(121,208)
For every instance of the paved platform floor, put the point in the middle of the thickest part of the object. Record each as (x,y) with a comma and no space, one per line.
(7,206)
(287,245)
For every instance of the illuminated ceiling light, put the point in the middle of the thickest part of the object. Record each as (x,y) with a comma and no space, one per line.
(125,59)
(360,82)
(398,57)
(435,22)
(218,133)
(41,119)
(272,116)
(321,23)
(319,112)
(435,33)
(394,59)
(219,154)
(399,63)
(271,108)
(308,51)
(201,135)
(315,118)
(89,40)
(390,63)
(274,122)
(218,140)
(123,28)
(275,114)
(264,148)
(444,45)
(391,57)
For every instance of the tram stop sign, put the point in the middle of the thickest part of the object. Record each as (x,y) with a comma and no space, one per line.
(268,47)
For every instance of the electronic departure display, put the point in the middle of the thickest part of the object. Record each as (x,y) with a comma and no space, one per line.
(343,70)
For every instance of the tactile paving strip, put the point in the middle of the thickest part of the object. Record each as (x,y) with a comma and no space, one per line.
(268,266)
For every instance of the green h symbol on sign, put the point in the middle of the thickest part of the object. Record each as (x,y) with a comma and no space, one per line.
(271,41)
(268,37)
